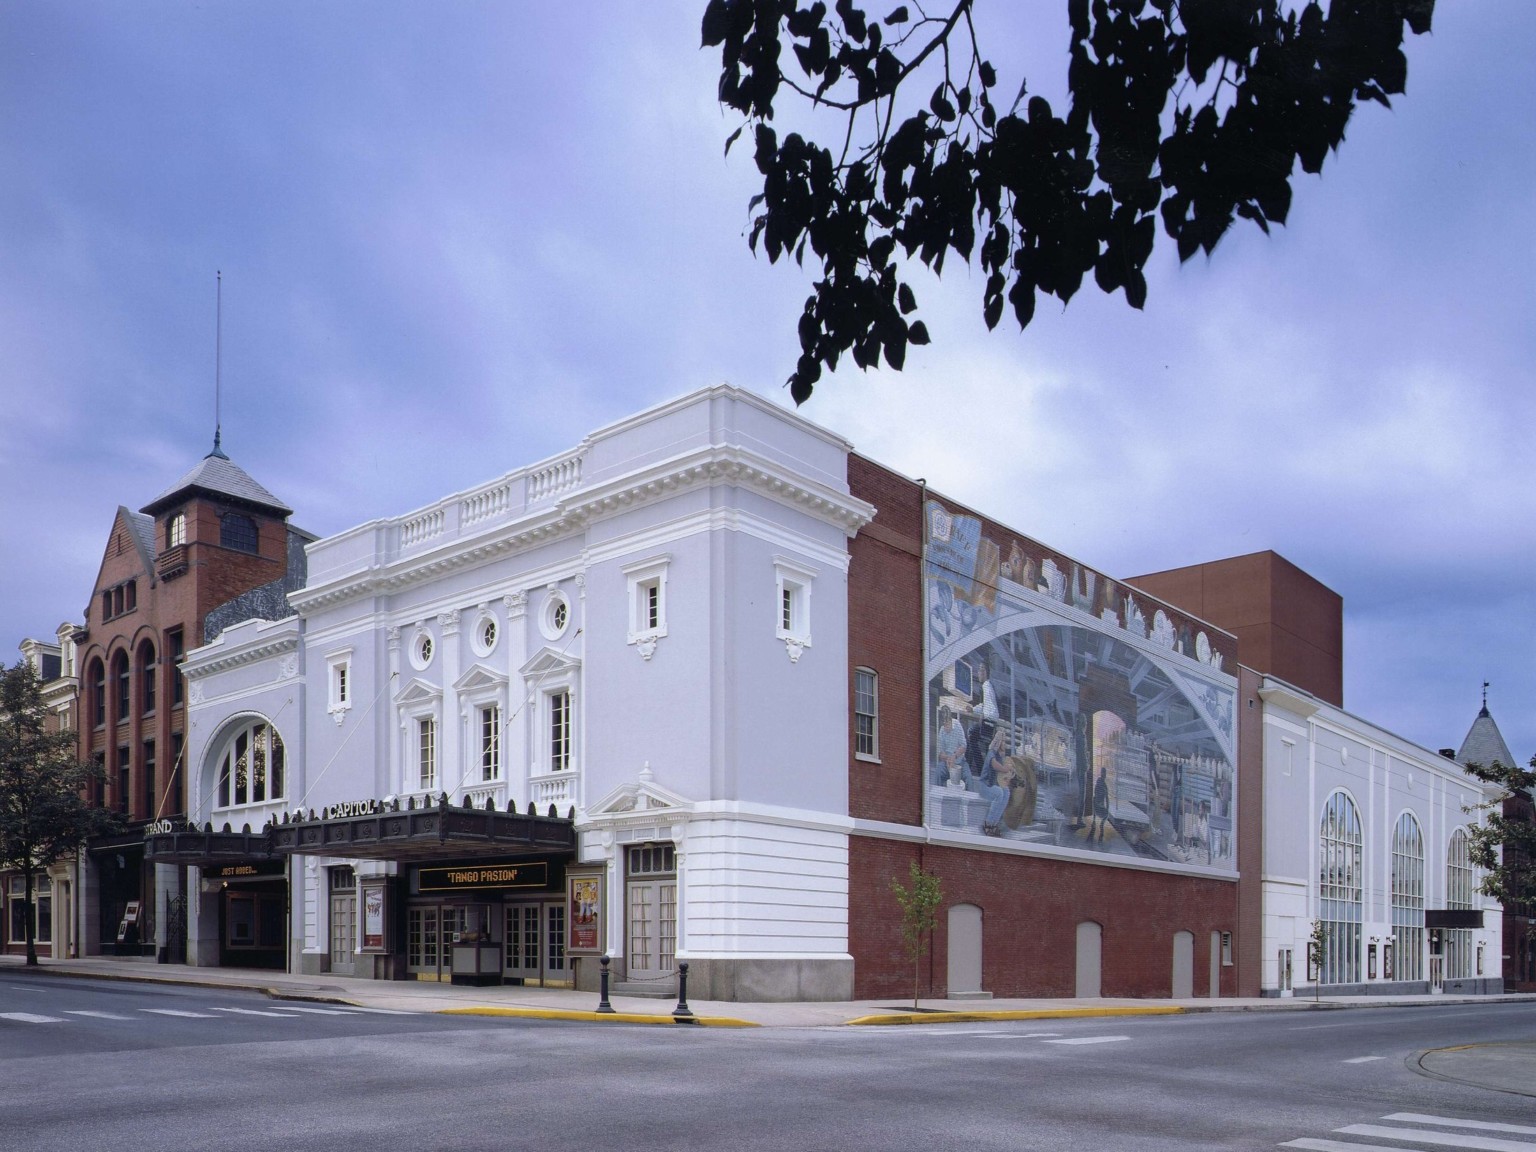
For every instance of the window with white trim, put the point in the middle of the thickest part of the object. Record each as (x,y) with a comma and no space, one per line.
(647,592)
(866,714)
(252,767)
(42,907)
(792,605)
(558,729)
(339,680)
(176,530)
(1408,899)
(490,743)
(425,748)
(1460,886)
(483,638)
(1340,890)
(421,649)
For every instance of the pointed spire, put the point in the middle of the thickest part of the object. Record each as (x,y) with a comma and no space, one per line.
(1484,743)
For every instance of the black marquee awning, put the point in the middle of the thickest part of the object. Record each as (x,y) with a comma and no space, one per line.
(435,832)
(204,847)
(1452,918)
(371,830)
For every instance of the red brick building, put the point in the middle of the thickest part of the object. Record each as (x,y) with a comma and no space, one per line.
(1113,869)
(215,538)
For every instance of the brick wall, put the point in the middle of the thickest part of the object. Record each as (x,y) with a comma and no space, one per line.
(1030,911)
(1031,905)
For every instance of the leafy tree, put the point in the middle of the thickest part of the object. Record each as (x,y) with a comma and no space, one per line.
(1195,111)
(919,917)
(1503,843)
(43,814)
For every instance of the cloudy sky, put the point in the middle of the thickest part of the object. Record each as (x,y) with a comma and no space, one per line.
(457,236)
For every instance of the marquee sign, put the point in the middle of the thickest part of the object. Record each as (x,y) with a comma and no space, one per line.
(522,874)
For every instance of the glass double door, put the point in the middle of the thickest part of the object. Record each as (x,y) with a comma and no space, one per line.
(535,939)
(533,932)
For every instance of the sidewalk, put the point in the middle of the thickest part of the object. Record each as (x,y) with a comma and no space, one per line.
(565,1003)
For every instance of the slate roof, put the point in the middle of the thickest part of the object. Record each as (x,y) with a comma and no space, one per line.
(1484,743)
(217,475)
(143,529)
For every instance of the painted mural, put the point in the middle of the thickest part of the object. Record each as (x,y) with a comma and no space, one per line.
(1068,710)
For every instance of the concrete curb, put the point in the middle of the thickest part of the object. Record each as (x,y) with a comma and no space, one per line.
(1008,1014)
(599,1017)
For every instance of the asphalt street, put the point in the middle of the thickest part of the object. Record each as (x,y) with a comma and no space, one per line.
(92,1065)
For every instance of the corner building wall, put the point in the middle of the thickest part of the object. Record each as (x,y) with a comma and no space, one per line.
(1057,916)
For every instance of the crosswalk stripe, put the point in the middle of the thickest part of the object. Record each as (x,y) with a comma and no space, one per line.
(1451,1122)
(179,1012)
(1443,1139)
(1088,1040)
(256,1012)
(31,1018)
(1311,1145)
(95,1015)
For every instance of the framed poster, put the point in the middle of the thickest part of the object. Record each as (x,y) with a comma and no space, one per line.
(584,913)
(373,916)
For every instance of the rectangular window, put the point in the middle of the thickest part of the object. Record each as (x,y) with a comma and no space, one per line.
(42,902)
(340,684)
(792,623)
(130,595)
(176,530)
(787,608)
(175,649)
(559,731)
(147,681)
(173,803)
(151,807)
(647,581)
(490,743)
(1226,949)
(426,752)
(866,714)
(122,780)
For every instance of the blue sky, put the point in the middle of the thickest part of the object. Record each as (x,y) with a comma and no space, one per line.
(456,237)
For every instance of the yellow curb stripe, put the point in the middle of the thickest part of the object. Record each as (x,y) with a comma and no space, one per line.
(598,1017)
(1033,1014)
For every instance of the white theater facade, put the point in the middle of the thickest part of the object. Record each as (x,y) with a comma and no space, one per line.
(422,733)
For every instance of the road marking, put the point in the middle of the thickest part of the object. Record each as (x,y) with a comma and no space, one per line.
(1089,1040)
(1450,1122)
(179,1012)
(397,1012)
(31,1018)
(1336,1145)
(1443,1139)
(257,1012)
(316,1011)
(1019,1035)
(1364,1059)
(95,1015)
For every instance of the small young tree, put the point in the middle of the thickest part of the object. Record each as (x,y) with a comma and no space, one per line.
(1316,943)
(919,902)
(43,813)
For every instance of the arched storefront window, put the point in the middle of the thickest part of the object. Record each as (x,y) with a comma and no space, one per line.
(1407,899)
(251,768)
(1340,899)
(1459,885)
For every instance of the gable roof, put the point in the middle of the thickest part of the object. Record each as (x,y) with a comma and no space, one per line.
(217,475)
(1485,743)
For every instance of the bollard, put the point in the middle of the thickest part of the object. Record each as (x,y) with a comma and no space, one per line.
(682,1013)
(602,1003)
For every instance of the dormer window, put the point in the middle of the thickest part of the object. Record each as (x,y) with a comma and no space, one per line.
(176,530)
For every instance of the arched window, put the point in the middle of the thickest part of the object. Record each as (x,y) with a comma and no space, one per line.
(238,531)
(251,767)
(1408,899)
(1459,896)
(98,681)
(1340,898)
(147,676)
(120,685)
